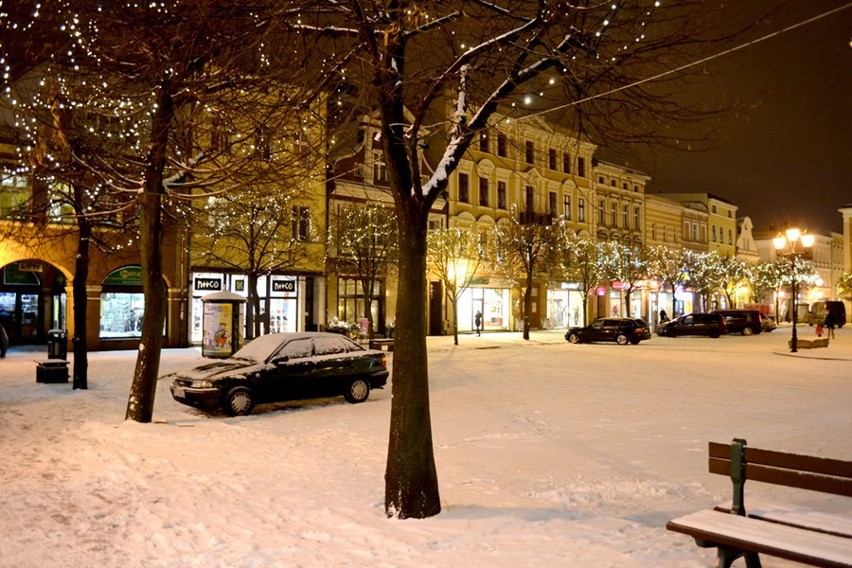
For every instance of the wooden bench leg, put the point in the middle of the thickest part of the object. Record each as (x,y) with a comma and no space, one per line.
(726,556)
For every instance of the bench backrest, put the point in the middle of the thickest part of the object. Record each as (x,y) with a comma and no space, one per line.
(742,463)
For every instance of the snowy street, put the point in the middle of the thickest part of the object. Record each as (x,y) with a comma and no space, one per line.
(548,454)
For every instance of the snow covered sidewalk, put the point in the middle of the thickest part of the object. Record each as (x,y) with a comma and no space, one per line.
(548,454)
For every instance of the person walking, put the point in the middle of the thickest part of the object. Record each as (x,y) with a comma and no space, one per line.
(477,322)
(664,317)
(4,341)
(830,322)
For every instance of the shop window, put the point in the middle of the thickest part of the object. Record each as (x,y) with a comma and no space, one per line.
(122,304)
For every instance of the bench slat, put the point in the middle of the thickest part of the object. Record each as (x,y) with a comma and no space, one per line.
(744,533)
(787,477)
(785,460)
(807,519)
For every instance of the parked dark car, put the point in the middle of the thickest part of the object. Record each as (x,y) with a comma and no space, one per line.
(283,366)
(767,323)
(620,330)
(712,325)
(818,311)
(746,322)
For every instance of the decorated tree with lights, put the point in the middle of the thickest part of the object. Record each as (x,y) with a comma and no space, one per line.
(363,238)
(581,262)
(454,64)
(157,73)
(737,277)
(669,266)
(844,286)
(706,276)
(765,278)
(455,257)
(525,248)
(67,196)
(627,264)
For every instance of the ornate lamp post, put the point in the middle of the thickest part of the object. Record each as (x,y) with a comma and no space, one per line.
(791,240)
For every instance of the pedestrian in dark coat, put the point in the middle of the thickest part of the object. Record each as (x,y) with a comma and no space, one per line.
(477,322)
(830,322)
(4,341)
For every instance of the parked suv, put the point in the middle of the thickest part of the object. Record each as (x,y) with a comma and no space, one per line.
(746,322)
(712,325)
(620,330)
(818,311)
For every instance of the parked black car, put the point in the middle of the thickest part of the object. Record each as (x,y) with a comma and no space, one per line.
(712,325)
(283,366)
(820,309)
(746,322)
(620,330)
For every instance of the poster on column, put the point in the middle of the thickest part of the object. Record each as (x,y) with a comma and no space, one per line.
(218,327)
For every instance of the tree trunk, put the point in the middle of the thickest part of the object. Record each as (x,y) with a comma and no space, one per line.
(254,316)
(528,304)
(455,303)
(140,406)
(411,479)
(79,342)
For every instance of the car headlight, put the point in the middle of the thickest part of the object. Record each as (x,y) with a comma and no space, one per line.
(201,384)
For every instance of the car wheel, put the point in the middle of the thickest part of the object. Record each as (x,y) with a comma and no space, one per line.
(621,339)
(714,334)
(748,331)
(358,391)
(239,401)
(573,338)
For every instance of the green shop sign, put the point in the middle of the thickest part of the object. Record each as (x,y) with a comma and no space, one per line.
(127,276)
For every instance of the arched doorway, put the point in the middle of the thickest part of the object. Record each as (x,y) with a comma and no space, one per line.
(32,300)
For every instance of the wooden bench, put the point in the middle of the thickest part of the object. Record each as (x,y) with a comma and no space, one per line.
(381,344)
(802,535)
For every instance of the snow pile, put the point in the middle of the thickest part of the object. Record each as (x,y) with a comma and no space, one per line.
(548,454)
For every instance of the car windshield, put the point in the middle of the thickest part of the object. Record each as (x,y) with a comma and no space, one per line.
(259,349)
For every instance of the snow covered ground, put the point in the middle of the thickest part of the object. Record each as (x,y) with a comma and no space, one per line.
(548,454)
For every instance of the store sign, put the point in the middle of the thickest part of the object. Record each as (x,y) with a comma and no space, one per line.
(601,291)
(127,276)
(30,266)
(283,285)
(570,285)
(208,284)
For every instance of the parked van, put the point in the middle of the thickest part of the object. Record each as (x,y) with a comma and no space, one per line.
(746,322)
(818,311)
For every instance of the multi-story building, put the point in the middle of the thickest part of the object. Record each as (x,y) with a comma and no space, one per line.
(721,220)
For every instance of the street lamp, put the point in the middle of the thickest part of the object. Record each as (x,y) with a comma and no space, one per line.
(791,239)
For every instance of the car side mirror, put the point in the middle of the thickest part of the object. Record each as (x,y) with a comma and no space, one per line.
(280,360)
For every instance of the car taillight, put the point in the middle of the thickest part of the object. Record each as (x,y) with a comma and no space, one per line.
(385,361)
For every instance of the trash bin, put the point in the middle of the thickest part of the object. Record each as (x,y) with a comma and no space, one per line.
(57,344)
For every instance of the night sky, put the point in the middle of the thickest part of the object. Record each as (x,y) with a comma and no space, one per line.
(789,159)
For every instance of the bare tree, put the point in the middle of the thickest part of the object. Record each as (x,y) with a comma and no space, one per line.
(407,59)
(455,256)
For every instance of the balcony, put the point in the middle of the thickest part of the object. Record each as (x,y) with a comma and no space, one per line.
(532,218)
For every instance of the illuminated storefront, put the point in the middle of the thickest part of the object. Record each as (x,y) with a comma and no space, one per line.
(493,303)
(280,301)
(565,306)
